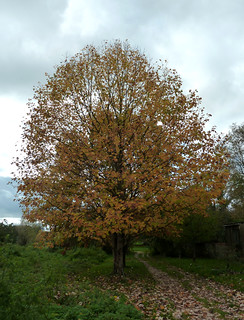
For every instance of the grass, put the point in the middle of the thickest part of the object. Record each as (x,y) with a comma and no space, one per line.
(140,248)
(227,273)
(213,308)
(39,284)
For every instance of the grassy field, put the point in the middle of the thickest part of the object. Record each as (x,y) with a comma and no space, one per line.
(39,284)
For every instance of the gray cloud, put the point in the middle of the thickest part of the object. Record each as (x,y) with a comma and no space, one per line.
(8,208)
(203,40)
(27,31)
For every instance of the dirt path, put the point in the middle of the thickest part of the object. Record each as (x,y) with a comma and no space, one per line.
(183,297)
(193,298)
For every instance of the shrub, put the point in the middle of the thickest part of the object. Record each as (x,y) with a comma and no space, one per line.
(92,255)
(26,234)
(8,233)
(103,307)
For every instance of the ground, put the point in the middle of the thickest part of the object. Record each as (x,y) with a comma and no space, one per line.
(183,297)
(50,284)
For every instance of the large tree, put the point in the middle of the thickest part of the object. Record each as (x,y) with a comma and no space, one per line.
(112,148)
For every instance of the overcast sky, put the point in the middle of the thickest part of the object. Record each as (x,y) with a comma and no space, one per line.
(202,39)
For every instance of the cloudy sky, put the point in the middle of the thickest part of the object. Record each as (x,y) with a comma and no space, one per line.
(202,39)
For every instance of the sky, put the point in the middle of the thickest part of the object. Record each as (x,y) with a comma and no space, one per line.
(203,40)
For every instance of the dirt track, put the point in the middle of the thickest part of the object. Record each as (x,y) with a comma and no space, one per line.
(194,298)
(183,297)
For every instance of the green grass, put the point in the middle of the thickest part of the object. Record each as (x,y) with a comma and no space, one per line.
(39,284)
(138,248)
(228,273)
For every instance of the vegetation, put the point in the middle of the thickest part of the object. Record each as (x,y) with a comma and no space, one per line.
(235,186)
(39,284)
(22,234)
(77,283)
(226,272)
(8,232)
(113,148)
(197,235)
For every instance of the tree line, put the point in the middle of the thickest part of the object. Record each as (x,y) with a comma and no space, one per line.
(23,234)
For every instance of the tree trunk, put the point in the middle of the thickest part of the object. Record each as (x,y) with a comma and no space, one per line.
(194,252)
(118,253)
(124,253)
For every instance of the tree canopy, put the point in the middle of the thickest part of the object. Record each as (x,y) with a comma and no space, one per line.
(112,147)
(235,186)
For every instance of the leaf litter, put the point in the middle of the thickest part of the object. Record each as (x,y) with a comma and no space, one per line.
(190,297)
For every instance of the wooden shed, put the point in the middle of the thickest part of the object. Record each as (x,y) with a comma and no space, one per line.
(234,236)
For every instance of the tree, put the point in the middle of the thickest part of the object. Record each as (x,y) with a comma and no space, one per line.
(7,232)
(235,186)
(27,232)
(113,148)
(198,229)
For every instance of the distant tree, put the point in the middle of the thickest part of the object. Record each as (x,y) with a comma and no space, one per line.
(7,232)
(235,186)
(27,232)
(194,234)
(198,229)
(113,148)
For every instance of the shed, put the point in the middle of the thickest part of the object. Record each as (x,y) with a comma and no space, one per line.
(234,236)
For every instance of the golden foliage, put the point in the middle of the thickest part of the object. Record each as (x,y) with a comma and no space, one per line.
(113,145)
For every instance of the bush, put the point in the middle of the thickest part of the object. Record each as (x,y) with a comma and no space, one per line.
(92,255)
(26,234)
(103,307)
(95,304)
(8,233)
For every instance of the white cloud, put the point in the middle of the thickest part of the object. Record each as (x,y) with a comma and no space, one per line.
(10,220)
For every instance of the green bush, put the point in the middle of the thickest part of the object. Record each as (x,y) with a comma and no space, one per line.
(93,255)
(100,306)
(8,233)
(95,304)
